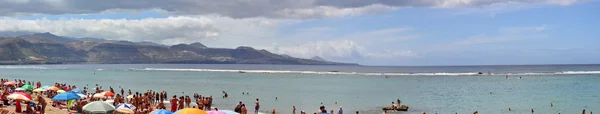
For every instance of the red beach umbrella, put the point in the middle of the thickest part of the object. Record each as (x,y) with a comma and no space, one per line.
(108,93)
(20,96)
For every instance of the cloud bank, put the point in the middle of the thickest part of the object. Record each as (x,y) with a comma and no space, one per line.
(297,9)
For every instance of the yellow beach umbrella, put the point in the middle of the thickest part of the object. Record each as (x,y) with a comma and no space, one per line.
(130,96)
(38,90)
(190,111)
(60,91)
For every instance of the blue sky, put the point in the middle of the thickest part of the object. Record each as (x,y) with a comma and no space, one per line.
(367,32)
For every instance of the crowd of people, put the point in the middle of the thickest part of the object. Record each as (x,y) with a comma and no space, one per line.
(145,102)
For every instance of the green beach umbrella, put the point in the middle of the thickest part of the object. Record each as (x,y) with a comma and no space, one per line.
(98,107)
(27,87)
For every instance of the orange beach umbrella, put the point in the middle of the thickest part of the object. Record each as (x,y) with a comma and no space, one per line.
(190,111)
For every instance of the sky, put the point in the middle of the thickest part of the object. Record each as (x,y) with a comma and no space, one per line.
(368,32)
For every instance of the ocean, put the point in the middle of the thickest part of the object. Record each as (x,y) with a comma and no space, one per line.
(431,89)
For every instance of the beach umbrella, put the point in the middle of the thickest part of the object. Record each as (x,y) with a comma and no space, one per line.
(128,106)
(10,83)
(82,96)
(98,95)
(108,93)
(65,96)
(229,112)
(38,90)
(190,111)
(20,96)
(77,91)
(161,112)
(215,112)
(60,91)
(129,96)
(27,87)
(98,107)
(110,101)
(124,111)
(19,89)
(53,88)
(46,86)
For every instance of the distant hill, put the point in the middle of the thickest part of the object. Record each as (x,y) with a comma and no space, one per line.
(317,58)
(46,48)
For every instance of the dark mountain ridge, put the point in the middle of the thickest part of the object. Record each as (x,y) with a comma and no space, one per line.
(46,48)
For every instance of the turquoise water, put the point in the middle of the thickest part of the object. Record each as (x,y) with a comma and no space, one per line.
(451,90)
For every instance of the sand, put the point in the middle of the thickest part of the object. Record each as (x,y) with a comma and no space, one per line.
(49,108)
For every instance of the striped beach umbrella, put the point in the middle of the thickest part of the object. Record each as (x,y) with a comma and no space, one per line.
(128,106)
(124,111)
(20,96)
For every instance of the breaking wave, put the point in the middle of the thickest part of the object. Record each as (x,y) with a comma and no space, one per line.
(376,74)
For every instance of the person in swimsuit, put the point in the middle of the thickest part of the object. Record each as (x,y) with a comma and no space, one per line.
(257,106)
(188,101)
(244,110)
(174,103)
(181,101)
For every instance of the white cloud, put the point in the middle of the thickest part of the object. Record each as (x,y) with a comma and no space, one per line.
(325,49)
(342,50)
(171,30)
(329,11)
(297,9)
(391,54)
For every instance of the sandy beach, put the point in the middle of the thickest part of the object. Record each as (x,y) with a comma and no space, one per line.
(140,103)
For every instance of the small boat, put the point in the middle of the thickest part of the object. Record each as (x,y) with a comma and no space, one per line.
(401,108)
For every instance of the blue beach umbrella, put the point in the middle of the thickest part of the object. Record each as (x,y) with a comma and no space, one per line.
(128,106)
(46,86)
(161,112)
(77,91)
(65,96)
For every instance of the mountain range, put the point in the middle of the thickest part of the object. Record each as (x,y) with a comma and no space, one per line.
(47,48)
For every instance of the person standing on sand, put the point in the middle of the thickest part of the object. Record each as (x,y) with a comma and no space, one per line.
(583,112)
(42,102)
(294,109)
(244,110)
(340,111)
(122,92)
(174,103)
(181,101)
(18,106)
(188,101)
(256,106)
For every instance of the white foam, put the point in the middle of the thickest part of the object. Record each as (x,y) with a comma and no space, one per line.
(23,67)
(378,74)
